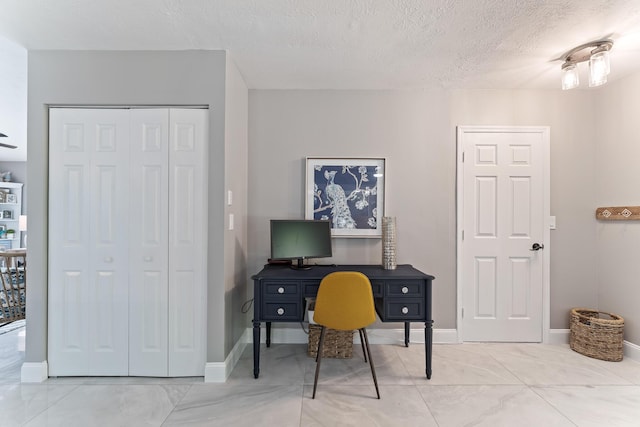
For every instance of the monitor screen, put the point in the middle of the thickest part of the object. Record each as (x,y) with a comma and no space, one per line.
(300,239)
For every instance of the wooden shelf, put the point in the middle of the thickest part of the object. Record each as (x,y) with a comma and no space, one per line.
(618,213)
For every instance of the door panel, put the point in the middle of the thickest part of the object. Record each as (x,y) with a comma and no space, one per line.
(148,242)
(485,288)
(187,252)
(87,258)
(502,215)
(108,246)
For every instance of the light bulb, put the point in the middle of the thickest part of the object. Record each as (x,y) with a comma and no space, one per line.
(570,78)
(599,67)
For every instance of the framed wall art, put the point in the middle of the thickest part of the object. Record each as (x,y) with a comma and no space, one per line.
(347,191)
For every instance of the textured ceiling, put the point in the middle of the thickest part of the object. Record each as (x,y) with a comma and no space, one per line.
(346,44)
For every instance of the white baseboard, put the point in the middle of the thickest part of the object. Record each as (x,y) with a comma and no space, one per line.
(34,372)
(218,372)
(632,351)
(558,336)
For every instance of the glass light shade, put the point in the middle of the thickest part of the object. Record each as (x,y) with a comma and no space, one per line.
(570,78)
(599,68)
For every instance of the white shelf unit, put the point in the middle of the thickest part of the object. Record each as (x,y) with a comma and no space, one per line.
(10,213)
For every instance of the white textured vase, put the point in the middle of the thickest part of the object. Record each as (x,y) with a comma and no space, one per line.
(389,243)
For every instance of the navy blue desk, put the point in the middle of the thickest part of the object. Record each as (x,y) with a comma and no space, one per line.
(401,295)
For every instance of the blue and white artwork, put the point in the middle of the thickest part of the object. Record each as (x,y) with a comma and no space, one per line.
(347,192)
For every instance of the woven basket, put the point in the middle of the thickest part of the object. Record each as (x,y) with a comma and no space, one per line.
(596,336)
(337,344)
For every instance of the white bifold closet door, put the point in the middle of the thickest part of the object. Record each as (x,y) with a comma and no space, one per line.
(127,257)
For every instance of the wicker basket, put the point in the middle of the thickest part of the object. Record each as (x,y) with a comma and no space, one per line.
(596,336)
(337,344)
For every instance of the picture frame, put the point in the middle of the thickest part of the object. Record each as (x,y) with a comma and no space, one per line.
(11,198)
(7,214)
(3,196)
(347,191)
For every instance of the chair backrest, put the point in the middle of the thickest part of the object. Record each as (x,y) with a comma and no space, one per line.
(345,301)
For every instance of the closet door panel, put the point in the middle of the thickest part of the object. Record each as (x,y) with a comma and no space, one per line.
(109,248)
(187,252)
(88,257)
(71,326)
(68,283)
(149,241)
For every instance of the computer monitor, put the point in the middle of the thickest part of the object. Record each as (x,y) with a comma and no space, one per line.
(299,239)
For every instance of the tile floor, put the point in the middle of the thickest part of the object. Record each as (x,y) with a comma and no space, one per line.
(472,385)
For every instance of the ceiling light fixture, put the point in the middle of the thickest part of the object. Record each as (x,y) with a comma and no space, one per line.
(597,53)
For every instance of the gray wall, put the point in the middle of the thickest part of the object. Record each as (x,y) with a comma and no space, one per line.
(415,132)
(409,129)
(617,184)
(122,78)
(236,146)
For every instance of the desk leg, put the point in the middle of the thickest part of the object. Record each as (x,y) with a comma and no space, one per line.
(428,344)
(406,333)
(268,334)
(256,349)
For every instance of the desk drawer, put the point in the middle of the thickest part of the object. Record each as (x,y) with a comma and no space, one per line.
(405,288)
(281,289)
(282,311)
(400,309)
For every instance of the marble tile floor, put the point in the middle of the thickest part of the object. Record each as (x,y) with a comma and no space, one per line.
(472,385)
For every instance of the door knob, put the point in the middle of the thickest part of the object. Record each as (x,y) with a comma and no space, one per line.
(536,247)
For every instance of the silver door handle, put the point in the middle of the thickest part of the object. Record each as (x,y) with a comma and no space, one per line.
(536,247)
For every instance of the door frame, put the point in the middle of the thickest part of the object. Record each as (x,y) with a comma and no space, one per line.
(546,173)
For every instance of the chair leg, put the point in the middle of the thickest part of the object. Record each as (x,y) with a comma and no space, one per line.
(373,370)
(318,360)
(362,342)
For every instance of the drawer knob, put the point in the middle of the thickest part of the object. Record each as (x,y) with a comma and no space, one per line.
(280,311)
(281,290)
(405,290)
(405,310)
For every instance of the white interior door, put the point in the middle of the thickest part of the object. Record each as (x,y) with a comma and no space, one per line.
(503,209)
(148,240)
(88,250)
(187,252)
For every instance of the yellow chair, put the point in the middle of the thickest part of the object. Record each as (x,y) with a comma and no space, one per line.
(345,302)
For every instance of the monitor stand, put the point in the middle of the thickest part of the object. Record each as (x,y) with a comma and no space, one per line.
(300,265)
